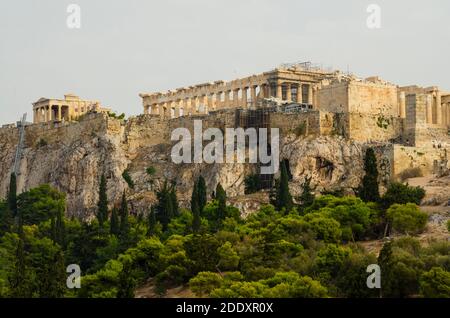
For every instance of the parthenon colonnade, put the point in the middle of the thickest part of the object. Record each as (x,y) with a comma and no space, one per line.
(290,85)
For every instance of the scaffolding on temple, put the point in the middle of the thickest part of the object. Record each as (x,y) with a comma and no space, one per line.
(256,118)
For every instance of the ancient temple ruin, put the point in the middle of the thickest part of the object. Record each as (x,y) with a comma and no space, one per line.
(67,109)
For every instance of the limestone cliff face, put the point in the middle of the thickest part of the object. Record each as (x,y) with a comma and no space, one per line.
(72,158)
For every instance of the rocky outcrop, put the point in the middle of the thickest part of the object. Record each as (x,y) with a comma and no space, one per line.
(72,157)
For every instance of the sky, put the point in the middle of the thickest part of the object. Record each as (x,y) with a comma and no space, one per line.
(126,47)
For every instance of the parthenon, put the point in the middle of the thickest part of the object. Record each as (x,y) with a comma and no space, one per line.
(301,83)
(296,83)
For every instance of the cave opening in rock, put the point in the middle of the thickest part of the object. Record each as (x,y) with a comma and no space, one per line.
(325,168)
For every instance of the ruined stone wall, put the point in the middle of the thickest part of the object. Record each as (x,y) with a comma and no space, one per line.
(373,98)
(333,98)
(369,128)
(411,160)
(419,133)
(50,133)
(305,124)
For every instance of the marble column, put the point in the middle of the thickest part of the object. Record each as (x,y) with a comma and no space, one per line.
(236,98)
(402,105)
(279,91)
(217,96)
(310,94)
(253,94)
(244,97)
(429,107)
(227,99)
(177,109)
(288,92)
(211,102)
(438,108)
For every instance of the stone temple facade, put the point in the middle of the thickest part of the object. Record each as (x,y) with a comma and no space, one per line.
(67,109)
(298,83)
(373,109)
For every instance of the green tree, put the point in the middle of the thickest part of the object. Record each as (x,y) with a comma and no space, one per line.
(40,204)
(228,257)
(196,221)
(6,218)
(12,194)
(102,205)
(126,282)
(369,190)
(221,197)
(201,194)
(407,218)
(165,208)
(114,226)
(252,183)
(174,201)
(307,197)
(331,259)
(52,273)
(124,214)
(386,262)
(57,229)
(435,283)
(325,228)
(19,282)
(202,251)
(152,222)
(398,193)
(204,283)
(283,196)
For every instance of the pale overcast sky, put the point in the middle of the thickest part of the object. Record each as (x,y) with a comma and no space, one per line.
(130,46)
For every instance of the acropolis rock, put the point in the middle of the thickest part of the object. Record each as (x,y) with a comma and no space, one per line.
(326,119)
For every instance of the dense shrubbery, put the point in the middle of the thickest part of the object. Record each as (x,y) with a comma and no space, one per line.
(401,194)
(407,219)
(307,251)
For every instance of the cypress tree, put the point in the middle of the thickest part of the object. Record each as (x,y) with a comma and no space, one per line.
(201,194)
(124,225)
(60,229)
(102,213)
(6,218)
(306,198)
(196,222)
(52,284)
(284,198)
(18,279)
(165,207)
(152,222)
(174,200)
(12,194)
(369,191)
(385,263)
(126,282)
(53,228)
(273,193)
(221,197)
(114,225)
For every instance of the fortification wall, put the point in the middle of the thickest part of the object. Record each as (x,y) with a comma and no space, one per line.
(416,161)
(333,98)
(69,132)
(379,128)
(373,98)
